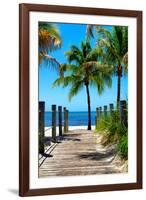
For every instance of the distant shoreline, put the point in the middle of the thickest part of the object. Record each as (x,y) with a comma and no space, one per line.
(74,118)
(74,111)
(48,130)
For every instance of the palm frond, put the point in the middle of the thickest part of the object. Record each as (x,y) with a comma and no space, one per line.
(49,37)
(50,61)
(111,53)
(95,54)
(114,43)
(125,64)
(58,82)
(85,48)
(75,50)
(64,81)
(85,67)
(89,31)
(98,82)
(104,33)
(75,88)
(89,65)
(73,57)
(125,60)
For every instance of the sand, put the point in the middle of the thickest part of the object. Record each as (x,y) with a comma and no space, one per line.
(48,130)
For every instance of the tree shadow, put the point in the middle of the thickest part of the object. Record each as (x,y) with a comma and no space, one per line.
(71,135)
(48,140)
(46,155)
(97,155)
(71,139)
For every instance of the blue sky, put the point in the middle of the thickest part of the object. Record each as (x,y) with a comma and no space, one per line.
(74,34)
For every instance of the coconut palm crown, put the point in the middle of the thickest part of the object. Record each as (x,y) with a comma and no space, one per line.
(115,47)
(49,40)
(84,69)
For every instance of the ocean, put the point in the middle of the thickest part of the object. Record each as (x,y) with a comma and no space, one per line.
(74,118)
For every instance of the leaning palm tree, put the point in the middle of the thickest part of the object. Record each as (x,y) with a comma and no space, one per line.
(84,69)
(49,40)
(115,45)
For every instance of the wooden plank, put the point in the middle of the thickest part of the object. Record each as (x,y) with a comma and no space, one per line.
(78,154)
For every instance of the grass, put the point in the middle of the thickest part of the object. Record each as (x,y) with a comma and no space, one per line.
(114,132)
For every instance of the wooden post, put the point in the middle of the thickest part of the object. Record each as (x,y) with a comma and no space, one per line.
(100,111)
(123,114)
(95,121)
(111,106)
(97,112)
(65,126)
(97,117)
(60,119)
(54,123)
(41,126)
(66,120)
(105,111)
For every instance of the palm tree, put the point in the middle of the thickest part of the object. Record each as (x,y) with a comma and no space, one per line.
(49,40)
(84,69)
(115,46)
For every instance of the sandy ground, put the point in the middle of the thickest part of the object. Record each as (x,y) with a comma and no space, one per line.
(48,130)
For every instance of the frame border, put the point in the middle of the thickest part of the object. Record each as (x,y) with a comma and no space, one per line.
(24,10)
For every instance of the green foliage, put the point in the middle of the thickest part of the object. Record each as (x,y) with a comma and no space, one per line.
(49,37)
(114,131)
(84,68)
(114,44)
(123,147)
(49,40)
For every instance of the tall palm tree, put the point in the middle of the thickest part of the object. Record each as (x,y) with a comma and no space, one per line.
(49,40)
(84,69)
(115,45)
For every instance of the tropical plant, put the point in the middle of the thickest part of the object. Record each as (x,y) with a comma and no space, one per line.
(115,46)
(114,132)
(49,40)
(85,69)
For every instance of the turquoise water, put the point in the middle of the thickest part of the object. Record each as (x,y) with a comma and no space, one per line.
(74,118)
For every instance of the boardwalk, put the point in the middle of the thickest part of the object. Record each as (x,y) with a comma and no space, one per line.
(78,153)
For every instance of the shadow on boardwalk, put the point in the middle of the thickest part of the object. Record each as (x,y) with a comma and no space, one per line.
(98,156)
(78,153)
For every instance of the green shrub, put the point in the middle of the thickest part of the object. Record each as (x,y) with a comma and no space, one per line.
(123,147)
(102,123)
(114,132)
(122,129)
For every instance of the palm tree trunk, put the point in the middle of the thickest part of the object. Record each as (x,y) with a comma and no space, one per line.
(119,74)
(118,90)
(89,107)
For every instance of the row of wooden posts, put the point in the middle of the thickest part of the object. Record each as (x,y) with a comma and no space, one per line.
(54,123)
(122,110)
(99,112)
(60,121)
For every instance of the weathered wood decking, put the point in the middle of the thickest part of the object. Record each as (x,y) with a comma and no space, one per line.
(78,153)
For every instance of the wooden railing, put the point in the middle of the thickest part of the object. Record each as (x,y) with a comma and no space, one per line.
(105,111)
(63,125)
